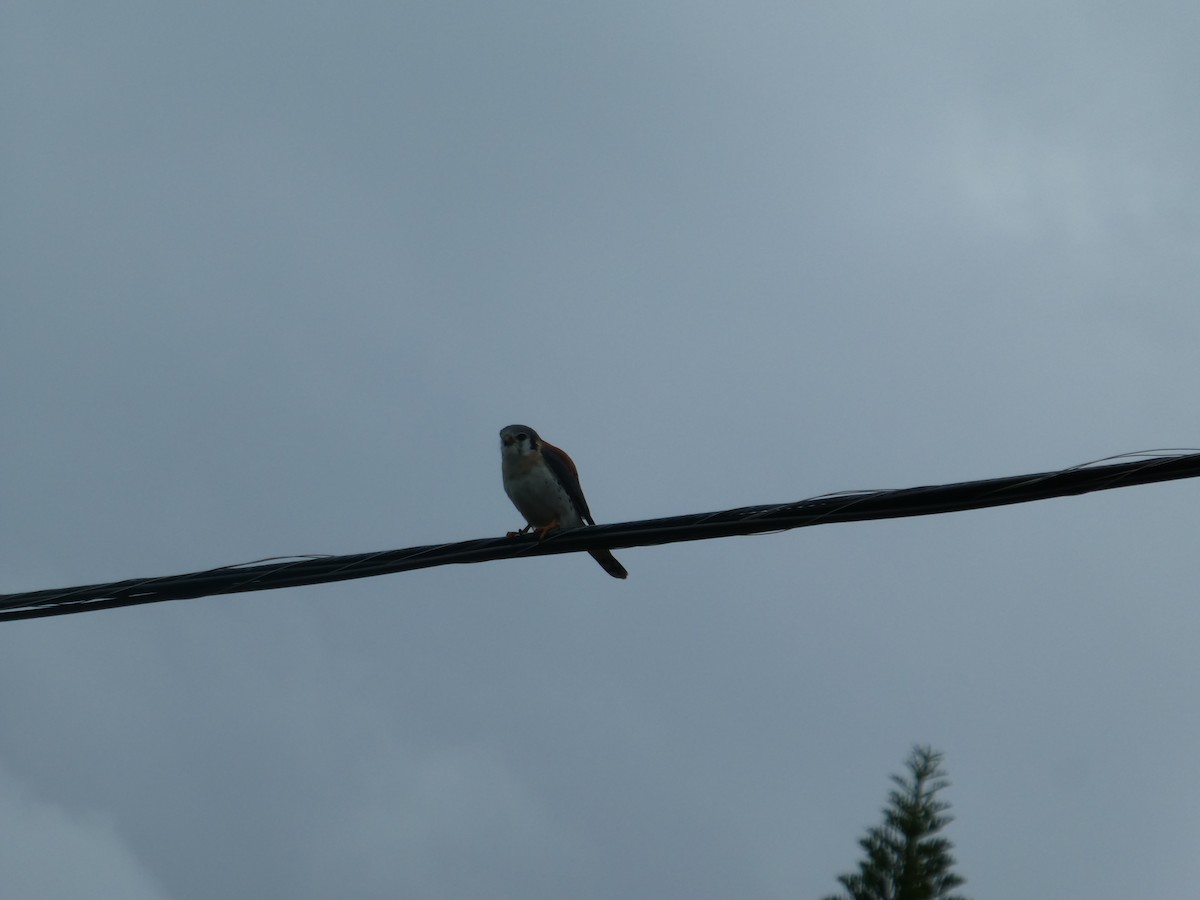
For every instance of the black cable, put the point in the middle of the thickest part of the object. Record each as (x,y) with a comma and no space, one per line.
(1154,466)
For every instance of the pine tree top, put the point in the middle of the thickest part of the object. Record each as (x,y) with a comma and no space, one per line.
(905,857)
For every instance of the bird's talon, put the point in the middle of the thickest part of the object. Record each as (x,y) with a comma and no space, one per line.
(545,530)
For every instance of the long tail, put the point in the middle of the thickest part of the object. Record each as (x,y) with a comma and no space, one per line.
(609,563)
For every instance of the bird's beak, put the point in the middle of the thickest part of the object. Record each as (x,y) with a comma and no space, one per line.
(506,440)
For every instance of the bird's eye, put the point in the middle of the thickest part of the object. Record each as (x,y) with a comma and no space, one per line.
(522,436)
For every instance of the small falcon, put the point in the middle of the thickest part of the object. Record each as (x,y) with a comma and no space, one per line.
(543,485)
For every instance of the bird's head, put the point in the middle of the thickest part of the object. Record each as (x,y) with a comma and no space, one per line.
(518,440)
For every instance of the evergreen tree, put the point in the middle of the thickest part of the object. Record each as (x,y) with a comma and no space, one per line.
(905,858)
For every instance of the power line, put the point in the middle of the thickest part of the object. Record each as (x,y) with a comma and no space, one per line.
(1147,468)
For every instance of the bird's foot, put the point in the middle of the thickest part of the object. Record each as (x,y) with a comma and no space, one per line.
(546,529)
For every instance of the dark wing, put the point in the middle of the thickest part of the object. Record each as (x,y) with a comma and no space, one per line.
(568,476)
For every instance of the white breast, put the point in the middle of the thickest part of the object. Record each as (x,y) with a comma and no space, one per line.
(536,493)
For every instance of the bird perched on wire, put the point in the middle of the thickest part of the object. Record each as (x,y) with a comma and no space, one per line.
(543,484)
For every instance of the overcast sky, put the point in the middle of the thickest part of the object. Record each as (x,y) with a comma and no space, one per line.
(274,275)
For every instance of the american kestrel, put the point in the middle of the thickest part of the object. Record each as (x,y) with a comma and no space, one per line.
(543,484)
